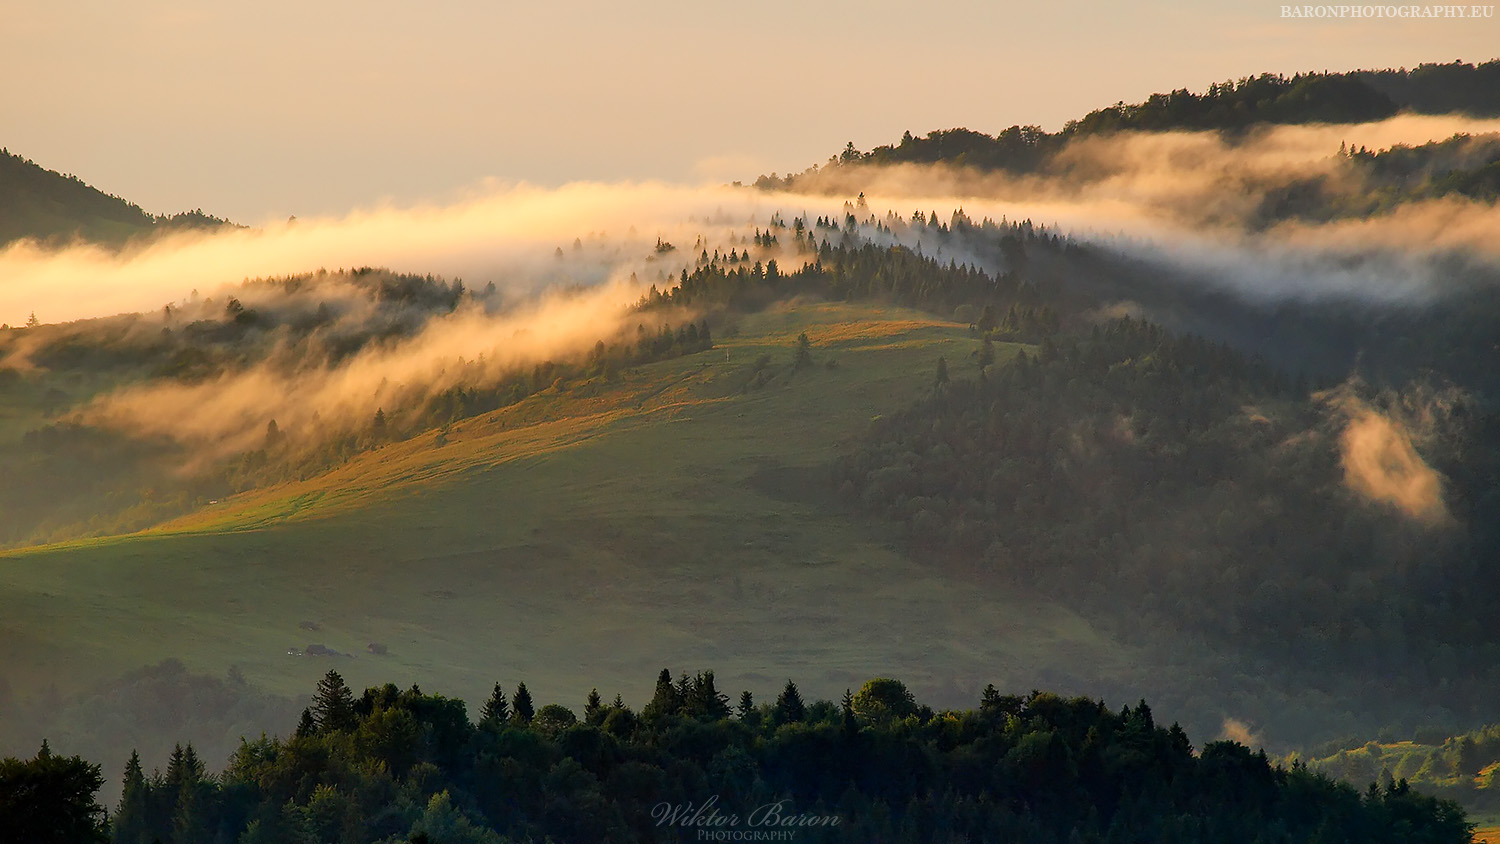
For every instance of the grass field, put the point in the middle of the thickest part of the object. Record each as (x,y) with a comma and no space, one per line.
(680,518)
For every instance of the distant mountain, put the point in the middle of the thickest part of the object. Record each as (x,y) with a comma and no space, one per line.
(53,208)
(1231,106)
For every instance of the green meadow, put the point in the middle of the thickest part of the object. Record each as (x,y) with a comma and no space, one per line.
(679,517)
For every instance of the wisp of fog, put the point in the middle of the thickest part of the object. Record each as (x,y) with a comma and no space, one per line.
(567,263)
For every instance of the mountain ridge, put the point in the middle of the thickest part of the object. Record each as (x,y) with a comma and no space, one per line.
(55,208)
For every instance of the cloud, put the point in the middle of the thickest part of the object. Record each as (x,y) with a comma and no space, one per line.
(505,234)
(1236,730)
(567,266)
(1193,198)
(1199,201)
(1379,459)
(567,262)
(468,347)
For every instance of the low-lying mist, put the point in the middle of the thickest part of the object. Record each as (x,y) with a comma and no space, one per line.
(505,235)
(470,347)
(1380,438)
(1280,214)
(1201,197)
(548,273)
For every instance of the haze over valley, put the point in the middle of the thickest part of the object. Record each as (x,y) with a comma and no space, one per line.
(1189,401)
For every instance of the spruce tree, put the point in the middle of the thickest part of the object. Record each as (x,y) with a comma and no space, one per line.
(789,707)
(496,711)
(521,707)
(189,823)
(333,704)
(131,815)
(665,701)
(306,726)
(704,700)
(183,768)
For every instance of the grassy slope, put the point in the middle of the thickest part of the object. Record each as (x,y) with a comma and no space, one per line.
(594,536)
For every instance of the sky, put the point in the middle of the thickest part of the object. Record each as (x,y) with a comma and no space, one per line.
(259,111)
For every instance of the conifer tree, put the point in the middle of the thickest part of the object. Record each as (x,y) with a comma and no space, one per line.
(665,701)
(496,710)
(521,706)
(183,768)
(593,709)
(989,699)
(333,704)
(130,820)
(306,726)
(746,708)
(704,701)
(789,707)
(189,825)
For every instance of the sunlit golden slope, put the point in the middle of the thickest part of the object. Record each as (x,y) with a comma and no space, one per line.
(678,518)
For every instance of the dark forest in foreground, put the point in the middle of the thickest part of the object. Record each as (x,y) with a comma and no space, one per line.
(394,766)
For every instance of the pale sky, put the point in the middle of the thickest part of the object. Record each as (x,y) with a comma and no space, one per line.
(257,111)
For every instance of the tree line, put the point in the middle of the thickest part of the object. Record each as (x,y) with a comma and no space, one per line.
(392,765)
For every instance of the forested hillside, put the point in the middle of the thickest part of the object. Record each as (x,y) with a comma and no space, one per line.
(47,206)
(1330,531)
(1335,533)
